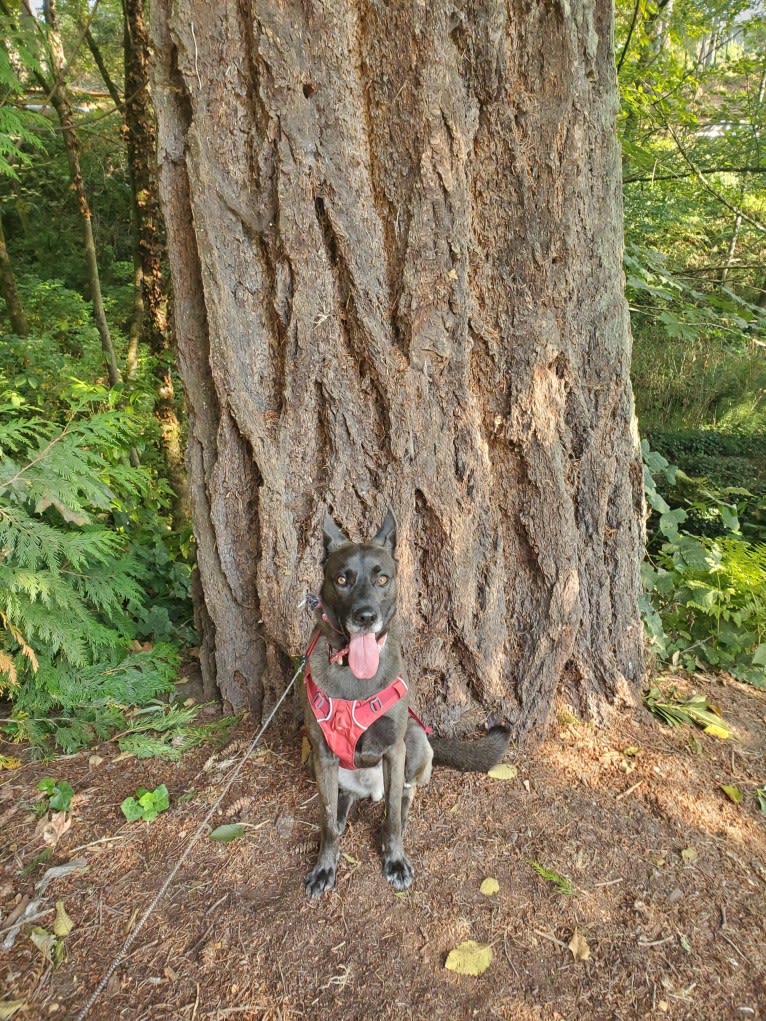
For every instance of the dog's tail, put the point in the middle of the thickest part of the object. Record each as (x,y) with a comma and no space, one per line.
(471,756)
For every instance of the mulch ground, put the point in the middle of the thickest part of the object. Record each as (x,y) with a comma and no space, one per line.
(667,910)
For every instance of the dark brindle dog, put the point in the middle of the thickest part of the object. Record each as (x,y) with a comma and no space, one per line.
(364,741)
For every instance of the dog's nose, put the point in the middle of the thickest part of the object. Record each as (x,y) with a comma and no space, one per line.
(363,616)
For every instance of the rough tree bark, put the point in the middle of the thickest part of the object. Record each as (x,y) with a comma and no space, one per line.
(9,291)
(150,283)
(395,234)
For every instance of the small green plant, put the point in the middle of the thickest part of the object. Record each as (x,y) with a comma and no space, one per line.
(562,883)
(760,796)
(58,794)
(167,732)
(704,605)
(693,710)
(146,805)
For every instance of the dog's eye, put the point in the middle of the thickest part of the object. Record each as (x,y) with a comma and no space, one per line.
(382,580)
(341,581)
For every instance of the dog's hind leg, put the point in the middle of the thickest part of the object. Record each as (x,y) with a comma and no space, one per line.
(396,868)
(346,801)
(322,876)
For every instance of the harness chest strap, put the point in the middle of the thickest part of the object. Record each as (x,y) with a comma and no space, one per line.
(343,721)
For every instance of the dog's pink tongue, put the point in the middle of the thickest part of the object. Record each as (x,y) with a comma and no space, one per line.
(363,656)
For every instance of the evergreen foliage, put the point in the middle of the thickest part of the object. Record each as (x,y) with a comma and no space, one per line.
(72,589)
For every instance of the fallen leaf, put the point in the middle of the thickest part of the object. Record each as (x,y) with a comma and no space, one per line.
(732,793)
(228,832)
(503,771)
(95,760)
(689,854)
(469,958)
(9,1007)
(62,923)
(56,827)
(489,887)
(305,750)
(578,944)
(44,941)
(9,762)
(716,731)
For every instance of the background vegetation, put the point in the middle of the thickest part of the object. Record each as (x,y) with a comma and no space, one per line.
(96,553)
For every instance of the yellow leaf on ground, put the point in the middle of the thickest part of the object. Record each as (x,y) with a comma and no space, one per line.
(489,886)
(62,923)
(9,762)
(305,751)
(716,731)
(578,944)
(44,941)
(9,1007)
(689,854)
(503,771)
(469,958)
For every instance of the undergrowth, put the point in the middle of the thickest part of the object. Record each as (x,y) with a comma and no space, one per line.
(74,589)
(705,595)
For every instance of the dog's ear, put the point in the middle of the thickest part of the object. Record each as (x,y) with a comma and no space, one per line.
(332,535)
(386,535)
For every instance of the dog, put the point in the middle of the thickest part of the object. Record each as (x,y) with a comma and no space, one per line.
(365,741)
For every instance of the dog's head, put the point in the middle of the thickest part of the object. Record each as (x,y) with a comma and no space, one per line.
(359,587)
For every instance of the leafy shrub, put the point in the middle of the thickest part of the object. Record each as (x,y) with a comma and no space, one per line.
(705,598)
(72,589)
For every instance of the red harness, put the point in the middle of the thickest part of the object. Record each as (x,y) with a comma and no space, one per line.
(343,721)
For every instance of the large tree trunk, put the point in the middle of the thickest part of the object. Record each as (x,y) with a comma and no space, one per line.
(395,234)
(151,286)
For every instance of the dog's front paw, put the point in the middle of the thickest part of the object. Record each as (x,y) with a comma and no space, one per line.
(398,872)
(320,880)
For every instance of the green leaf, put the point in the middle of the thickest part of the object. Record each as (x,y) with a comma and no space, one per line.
(227,832)
(729,517)
(732,793)
(59,793)
(146,805)
(62,797)
(132,810)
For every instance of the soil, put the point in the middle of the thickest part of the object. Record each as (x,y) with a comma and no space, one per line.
(668,876)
